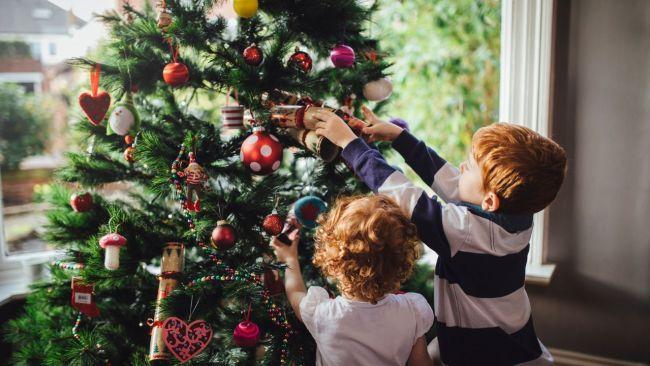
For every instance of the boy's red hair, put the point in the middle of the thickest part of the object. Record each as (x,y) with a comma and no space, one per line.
(523,168)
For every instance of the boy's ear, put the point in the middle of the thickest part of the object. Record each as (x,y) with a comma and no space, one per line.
(490,202)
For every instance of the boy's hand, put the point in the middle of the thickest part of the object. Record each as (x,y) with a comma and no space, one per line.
(333,128)
(379,130)
(286,253)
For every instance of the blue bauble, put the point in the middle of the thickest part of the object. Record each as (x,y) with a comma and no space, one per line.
(307,210)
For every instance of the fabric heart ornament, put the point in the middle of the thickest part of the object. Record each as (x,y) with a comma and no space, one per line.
(186,341)
(95,105)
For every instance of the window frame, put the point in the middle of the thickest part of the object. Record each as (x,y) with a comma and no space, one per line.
(526,67)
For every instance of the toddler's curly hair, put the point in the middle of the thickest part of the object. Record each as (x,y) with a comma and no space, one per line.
(367,244)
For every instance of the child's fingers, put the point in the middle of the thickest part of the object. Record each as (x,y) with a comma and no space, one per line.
(368,114)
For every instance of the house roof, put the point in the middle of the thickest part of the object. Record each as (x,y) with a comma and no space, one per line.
(35,17)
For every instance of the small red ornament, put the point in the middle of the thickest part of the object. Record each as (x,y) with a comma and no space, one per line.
(223,236)
(261,152)
(129,139)
(112,242)
(253,55)
(81,202)
(301,61)
(128,154)
(246,334)
(95,105)
(195,177)
(176,74)
(82,297)
(184,340)
(342,56)
(273,223)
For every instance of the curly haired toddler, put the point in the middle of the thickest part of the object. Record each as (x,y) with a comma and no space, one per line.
(368,246)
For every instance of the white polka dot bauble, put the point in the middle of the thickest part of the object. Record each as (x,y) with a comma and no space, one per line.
(261,152)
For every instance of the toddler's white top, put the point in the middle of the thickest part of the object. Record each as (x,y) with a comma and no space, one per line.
(349,332)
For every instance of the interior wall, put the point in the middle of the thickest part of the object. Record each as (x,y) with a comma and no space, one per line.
(599,226)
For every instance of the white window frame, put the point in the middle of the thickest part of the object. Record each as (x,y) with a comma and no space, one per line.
(18,271)
(525,95)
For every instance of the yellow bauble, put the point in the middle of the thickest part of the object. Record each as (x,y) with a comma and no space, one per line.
(245,8)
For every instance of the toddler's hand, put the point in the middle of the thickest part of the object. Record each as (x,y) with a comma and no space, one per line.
(333,128)
(285,253)
(379,130)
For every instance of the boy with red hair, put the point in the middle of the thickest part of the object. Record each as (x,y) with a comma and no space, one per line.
(481,234)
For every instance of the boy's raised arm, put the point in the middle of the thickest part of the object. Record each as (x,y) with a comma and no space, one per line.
(424,211)
(435,171)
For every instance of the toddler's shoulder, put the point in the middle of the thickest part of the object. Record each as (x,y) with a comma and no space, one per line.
(418,303)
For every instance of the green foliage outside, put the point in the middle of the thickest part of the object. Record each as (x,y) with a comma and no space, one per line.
(23,126)
(14,49)
(446,67)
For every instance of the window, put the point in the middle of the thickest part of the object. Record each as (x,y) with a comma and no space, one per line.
(526,49)
(35,49)
(461,64)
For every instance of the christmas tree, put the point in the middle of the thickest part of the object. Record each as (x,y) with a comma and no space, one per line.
(176,266)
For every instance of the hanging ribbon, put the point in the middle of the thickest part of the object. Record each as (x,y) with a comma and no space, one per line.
(174,50)
(230,91)
(94,79)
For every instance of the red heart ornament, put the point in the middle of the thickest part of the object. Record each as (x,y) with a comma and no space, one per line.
(95,107)
(186,341)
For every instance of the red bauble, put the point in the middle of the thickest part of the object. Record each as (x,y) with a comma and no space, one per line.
(273,224)
(128,139)
(246,334)
(95,106)
(342,56)
(81,202)
(253,55)
(301,61)
(223,236)
(176,74)
(261,152)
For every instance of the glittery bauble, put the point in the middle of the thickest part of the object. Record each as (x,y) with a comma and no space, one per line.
(246,334)
(245,8)
(273,224)
(307,210)
(261,152)
(81,202)
(253,55)
(377,90)
(342,56)
(300,61)
(223,236)
(176,74)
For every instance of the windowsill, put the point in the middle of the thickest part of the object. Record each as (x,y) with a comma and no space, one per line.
(539,275)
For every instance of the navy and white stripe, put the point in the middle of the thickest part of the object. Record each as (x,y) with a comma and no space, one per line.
(483,314)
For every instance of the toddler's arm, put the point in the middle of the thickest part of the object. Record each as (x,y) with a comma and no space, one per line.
(294,285)
(419,355)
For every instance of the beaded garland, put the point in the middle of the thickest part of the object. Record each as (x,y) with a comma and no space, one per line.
(68,265)
(226,273)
